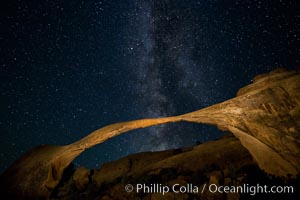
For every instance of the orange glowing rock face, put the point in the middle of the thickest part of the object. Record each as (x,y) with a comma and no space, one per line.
(265,117)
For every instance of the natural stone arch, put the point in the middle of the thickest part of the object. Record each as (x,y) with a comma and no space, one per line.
(264,116)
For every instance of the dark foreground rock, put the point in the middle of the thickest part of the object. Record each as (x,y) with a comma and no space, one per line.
(224,162)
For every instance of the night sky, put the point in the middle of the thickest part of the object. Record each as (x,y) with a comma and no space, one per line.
(70,67)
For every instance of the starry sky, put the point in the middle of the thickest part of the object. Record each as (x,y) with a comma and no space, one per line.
(70,67)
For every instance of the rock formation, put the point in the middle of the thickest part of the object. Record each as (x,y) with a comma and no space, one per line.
(264,117)
(224,162)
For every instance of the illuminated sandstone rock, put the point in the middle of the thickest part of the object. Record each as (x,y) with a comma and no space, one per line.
(265,117)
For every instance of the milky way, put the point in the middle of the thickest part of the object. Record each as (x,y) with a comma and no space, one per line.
(148,78)
(70,67)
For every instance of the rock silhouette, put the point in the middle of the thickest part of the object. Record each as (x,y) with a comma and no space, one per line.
(264,117)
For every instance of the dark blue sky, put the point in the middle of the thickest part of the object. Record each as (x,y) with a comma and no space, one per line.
(70,67)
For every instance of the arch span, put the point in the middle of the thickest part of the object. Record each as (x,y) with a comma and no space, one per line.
(264,116)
